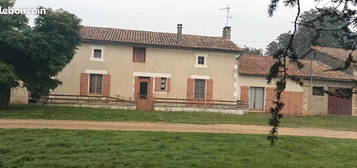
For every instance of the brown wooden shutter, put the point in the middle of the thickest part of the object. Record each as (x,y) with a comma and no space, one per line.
(244,95)
(157,87)
(209,91)
(106,85)
(136,88)
(269,101)
(168,85)
(84,84)
(190,88)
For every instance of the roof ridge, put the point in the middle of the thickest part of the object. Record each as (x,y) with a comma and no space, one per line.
(148,31)
(251,66)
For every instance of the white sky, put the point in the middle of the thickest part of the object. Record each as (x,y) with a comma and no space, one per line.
(251,25)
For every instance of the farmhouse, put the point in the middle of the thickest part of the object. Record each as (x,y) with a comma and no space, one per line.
(141,65)
(308,99)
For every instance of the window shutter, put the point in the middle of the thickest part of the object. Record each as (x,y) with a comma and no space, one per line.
(136,88)
(157,84)
(209,90)
(244,95)
(269,102)
(106,85)
(83,84)
(190,88)
(168,85)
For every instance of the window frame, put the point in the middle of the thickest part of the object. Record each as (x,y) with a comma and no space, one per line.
(199,61)
(134,55)
(96,84)
(93,48)
(205,58)
(318,94)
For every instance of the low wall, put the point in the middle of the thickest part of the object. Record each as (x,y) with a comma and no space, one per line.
(19,96)
(213,109)
(103,106)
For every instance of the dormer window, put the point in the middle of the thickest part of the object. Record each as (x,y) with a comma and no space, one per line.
(97,53)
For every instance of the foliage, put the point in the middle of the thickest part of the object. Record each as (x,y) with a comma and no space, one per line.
(305,34)
(129,149)
(38,53)
(7,76)
(334,10)
(252,51)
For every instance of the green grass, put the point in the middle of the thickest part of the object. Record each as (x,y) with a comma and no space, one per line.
(73,113)
(78,148)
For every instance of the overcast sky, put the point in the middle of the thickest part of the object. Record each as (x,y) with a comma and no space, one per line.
(250,24)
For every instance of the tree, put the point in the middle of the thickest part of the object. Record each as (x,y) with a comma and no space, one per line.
(335,10)
(252,51)
(277,44)
(35,55)
(305,34)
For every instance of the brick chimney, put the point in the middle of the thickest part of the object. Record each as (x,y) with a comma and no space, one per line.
(227,33)
(179,33)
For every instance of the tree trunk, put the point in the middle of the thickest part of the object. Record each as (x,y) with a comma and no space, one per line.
(4,97)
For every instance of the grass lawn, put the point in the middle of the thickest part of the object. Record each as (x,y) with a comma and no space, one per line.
(78,148)
(75,113)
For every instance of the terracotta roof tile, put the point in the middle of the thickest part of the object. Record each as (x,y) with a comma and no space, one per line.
(338,53)
(260,65)
(157,39)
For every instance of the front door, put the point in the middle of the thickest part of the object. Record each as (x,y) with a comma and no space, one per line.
(143,93)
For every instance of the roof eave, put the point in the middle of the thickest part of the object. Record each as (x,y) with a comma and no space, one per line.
(304,77)
(163,46)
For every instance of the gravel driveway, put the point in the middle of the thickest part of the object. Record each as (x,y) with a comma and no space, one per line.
(171,127)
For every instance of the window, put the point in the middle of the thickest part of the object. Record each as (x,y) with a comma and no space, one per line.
(139,54)
(256,98)
(201,60)
(143,90)
(97,53)
(318,91)
(96,84)
(200,88)
(163,84)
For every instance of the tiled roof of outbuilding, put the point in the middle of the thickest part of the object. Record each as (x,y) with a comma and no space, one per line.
(157,39)
(260,65)
(338,53)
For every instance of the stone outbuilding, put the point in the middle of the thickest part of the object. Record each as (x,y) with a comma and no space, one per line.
(309,99)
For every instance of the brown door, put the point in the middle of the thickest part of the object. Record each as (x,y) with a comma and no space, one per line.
(339,105)
(143,93)
(293,103)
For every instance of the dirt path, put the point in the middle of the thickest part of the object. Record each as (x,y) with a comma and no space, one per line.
(171,127)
